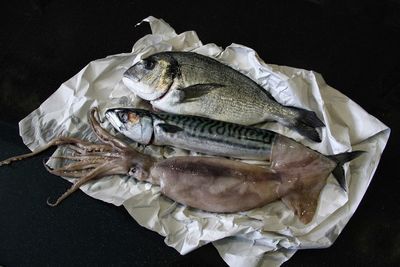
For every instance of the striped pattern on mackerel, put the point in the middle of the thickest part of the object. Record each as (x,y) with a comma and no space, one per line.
(193,133)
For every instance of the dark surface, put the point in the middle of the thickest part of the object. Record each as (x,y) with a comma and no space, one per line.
(355,46)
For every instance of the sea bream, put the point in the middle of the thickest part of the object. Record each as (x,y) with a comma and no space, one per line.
(188,83)
(222,139)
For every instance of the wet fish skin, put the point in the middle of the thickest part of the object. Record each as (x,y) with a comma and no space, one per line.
(192,84)
(193,133)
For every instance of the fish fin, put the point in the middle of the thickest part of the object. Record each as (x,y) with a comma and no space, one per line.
(306,131)
(309,118)
(305,123)
(304,202)
(169,128)
(191,93)
(341,159)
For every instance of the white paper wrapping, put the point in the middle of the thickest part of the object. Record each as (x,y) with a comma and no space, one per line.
(266,236)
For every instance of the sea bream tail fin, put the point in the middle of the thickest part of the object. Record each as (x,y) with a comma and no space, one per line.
(306,131)
(305,124)
(309,118)
(341,159)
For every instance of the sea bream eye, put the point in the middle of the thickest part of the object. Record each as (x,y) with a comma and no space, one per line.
(149,64)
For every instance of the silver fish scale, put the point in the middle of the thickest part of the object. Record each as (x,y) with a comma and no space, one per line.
(238,94)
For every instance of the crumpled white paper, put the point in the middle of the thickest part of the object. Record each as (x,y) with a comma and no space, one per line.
(266,236)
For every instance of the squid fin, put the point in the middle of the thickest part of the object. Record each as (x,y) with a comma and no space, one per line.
(303,198)
(304,202)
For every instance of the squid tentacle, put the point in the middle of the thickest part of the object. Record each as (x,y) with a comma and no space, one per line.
(99,171)
(78,166)
(102,134)
(62,140)
(82,158)
(91,161)
(84,148)
(76,149)
(69,174)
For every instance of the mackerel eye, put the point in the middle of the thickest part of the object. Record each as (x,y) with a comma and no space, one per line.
(149,64)
(123,117)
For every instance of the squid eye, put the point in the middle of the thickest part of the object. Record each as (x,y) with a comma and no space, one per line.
(132,171)
(149,64)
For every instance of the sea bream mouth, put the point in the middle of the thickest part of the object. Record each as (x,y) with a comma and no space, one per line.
(142,90)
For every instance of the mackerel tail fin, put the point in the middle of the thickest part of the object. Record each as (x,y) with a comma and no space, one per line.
(305,124)
(341,159)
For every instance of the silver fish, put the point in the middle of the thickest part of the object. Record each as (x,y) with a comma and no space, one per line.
(192,133)
(217,138)
(192,84)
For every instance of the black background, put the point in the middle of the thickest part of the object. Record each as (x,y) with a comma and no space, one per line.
(353,44)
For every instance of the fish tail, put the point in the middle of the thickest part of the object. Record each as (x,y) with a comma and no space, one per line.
(305,123)
(341,159)
(310,118)
(306,131)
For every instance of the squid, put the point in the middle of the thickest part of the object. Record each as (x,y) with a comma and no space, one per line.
(212,184)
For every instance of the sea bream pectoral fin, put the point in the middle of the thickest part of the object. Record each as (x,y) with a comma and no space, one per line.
(193,92)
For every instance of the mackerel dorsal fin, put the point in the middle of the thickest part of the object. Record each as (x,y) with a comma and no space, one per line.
(304,202)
